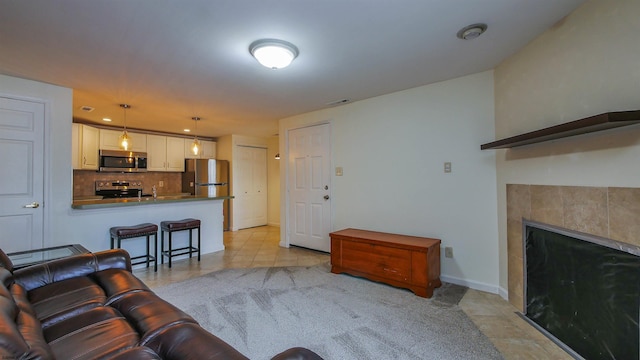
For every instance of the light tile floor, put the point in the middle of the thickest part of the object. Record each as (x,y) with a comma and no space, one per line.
(259,247)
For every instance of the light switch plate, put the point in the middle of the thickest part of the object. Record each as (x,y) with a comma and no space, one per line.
(339,171)
(447,167)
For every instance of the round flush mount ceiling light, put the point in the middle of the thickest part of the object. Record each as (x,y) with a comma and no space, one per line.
(273,53)
(472,31)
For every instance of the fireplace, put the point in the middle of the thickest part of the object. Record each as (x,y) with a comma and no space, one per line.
(582,290)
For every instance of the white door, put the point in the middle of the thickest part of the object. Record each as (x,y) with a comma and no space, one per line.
(21,175)
(250,201)
(310,187)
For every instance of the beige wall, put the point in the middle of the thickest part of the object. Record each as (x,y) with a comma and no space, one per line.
(273,182)
(585,65)
(392,149)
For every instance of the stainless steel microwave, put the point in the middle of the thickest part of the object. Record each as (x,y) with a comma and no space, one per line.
(122,161)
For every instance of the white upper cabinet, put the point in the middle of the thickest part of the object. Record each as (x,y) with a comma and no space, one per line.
(207,149)
(165,153)
(110,140)
(84,147)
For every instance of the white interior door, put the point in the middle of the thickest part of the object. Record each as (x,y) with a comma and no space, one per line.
(250,201)
(309,181)
(21,175)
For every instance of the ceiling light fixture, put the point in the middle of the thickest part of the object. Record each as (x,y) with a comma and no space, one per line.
(195,146)
(273,53)
(472,31)
(125,140)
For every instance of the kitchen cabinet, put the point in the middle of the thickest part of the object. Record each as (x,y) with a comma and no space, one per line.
(110,140)
(165,153)
(250,203)
(207,149)
(84,148)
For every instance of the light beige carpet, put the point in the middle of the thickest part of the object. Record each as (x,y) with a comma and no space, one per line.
(266,310)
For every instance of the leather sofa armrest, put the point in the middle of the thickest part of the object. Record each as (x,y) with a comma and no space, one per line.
(70,267)
(297,353)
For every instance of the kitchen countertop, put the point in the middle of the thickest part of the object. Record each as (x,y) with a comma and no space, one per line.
(87,204)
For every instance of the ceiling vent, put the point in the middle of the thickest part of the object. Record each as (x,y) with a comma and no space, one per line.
(338,102)
(86,108)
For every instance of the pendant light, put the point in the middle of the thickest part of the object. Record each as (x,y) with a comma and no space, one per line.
(195,146)
(125,140)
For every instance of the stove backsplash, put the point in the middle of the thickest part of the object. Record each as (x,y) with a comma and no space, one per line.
(84,181)
(603,211)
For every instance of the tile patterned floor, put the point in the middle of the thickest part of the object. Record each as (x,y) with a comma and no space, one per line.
(259,247)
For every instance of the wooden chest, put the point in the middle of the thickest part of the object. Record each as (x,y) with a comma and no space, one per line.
(404,261)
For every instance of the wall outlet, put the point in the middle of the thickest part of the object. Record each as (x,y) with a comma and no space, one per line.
(447,167)
(448,252)
(339,171)
(160,183)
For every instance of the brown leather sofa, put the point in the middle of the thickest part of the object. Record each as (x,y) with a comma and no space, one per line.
(91,306)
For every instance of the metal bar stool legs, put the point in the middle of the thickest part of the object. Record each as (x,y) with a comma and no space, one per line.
(118,233)
(179,225)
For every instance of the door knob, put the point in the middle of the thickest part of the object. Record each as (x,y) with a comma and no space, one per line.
(326,197)
(33,205)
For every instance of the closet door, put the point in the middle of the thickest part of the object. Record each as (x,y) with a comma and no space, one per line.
(250,203)
(259,184)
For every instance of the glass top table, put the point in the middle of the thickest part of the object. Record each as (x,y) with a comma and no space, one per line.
(22,259)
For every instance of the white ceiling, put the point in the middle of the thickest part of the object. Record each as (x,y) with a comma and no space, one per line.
(172,59)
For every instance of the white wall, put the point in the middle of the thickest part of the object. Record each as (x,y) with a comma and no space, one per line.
(586,65)
(393,148)
(273,182)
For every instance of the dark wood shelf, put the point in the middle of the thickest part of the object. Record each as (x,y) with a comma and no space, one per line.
(600,122)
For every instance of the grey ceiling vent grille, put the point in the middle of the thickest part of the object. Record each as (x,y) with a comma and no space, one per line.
(338,102)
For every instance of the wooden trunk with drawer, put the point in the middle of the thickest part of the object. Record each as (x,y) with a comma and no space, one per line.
(399,260)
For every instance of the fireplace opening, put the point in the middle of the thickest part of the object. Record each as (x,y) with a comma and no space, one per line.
(582,291)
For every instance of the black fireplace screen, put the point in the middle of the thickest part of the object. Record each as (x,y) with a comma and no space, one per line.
(584,291)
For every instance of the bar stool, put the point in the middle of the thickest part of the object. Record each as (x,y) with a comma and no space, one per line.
(179,225)
(120,233)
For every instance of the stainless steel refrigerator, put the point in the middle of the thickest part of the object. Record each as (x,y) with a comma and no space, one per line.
(208,177)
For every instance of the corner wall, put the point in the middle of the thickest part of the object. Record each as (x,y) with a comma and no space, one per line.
(393,149)
(585,65)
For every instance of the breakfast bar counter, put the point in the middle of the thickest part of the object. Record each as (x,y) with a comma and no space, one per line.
(93,218)
(122,202)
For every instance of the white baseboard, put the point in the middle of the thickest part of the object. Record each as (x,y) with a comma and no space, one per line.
(476,285)
(504,293)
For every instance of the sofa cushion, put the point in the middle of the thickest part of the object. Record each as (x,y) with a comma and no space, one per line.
(63,299)
(96,340)
(117,282)
(35,276)
(187,341)
(81,321)
(149,313)
(137,353)
(20,331)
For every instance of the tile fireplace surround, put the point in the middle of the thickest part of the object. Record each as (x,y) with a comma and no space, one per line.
(603,211)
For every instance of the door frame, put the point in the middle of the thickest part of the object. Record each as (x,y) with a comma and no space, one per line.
(284,185)
(46,171)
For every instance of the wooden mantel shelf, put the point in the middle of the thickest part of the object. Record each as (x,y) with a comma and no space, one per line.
(600,122)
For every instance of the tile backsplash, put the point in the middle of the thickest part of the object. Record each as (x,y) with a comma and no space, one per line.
(84,181)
